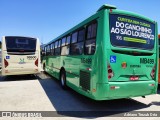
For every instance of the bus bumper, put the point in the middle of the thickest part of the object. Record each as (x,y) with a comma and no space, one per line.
(117,90)
(6,72)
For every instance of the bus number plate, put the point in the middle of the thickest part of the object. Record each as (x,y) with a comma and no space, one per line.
(86,60)
(31,57)
(146,61)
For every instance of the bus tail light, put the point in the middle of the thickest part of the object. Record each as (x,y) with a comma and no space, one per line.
(152,85)
(36,62)
(6,63)
(153,72)
(134,78)
(114,87)
(124,65)
(110,72)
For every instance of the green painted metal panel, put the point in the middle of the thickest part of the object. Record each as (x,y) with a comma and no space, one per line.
(99,86)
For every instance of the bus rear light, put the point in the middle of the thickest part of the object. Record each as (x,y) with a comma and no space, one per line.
(109,76)
(134,78)
(109,66)
(114,87)
(93,90)
(110,72)
(151,84)
(6,63)
(36,62)
(153,72)
(124,65)
(89,69)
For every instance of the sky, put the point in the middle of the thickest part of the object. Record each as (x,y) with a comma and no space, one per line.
(47,19)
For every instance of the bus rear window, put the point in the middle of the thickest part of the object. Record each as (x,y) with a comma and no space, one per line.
(20,44)
(131,32)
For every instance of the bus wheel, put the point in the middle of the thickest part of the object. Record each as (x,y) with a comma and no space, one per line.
(63,79)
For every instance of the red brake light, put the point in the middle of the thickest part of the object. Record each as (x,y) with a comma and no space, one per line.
(6,63)
(114,87)
(124,65)
(109,66)
(110,72)
(151,84)
(153,72)
(36,62)
(109,76)
(134,78)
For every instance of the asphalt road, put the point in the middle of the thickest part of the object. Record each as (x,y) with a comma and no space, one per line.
(44,93)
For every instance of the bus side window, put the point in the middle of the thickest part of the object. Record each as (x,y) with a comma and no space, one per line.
(45,51)
(57,47)
(68,40)
(63,41)
(65,46)
(52,51)
(74,37)
(49,49)
(81,35)
(66,49)
(77,48)
(90,43)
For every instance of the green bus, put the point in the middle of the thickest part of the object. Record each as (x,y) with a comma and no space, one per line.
(111,55)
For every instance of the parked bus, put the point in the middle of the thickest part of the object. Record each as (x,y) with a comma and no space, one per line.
(159,60)
(20,55)
(0,59)
(110,55)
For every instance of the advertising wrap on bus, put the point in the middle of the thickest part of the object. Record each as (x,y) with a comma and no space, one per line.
(131,32)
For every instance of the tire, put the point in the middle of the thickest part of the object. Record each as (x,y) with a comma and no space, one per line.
(63,79)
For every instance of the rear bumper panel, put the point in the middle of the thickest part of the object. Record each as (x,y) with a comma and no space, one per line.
(124,89)
(20,71)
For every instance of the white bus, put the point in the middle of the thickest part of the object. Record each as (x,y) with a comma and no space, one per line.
(20,55)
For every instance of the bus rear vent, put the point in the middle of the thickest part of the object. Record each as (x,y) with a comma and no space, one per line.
(85,80)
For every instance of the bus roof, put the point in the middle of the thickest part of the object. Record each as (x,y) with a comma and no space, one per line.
(21,36)
(96,15)
(106,6)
